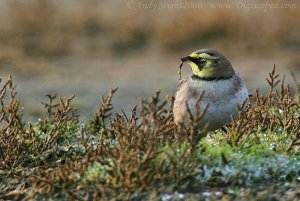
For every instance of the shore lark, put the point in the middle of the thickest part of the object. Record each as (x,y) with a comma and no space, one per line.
(224,90)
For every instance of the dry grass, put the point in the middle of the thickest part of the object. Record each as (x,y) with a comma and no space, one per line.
(45,29)
(31,145)
(144,155)
(274,113)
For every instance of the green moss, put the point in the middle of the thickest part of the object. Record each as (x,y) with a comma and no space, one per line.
(98,173)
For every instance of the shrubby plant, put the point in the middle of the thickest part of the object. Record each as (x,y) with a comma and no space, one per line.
(144,155)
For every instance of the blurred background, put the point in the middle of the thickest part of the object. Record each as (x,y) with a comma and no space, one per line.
(86,47)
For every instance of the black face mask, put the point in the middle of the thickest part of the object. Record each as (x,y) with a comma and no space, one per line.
(198,61)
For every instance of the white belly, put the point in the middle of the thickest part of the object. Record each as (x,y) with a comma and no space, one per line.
(222,97)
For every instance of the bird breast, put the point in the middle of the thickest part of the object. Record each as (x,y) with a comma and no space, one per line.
(221,96)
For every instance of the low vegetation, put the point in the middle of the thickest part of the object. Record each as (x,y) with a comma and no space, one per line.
(145,156)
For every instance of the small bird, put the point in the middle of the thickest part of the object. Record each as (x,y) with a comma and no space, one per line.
(223,90)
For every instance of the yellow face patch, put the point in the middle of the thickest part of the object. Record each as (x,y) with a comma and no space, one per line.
(206,70)
(203,56)
(194,67)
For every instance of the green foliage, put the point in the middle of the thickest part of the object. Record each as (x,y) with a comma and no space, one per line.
(133,156)
(98,173)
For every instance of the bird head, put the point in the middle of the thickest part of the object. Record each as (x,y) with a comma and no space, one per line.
(208,63)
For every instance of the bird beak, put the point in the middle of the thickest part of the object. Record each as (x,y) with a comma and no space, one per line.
(185,59)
